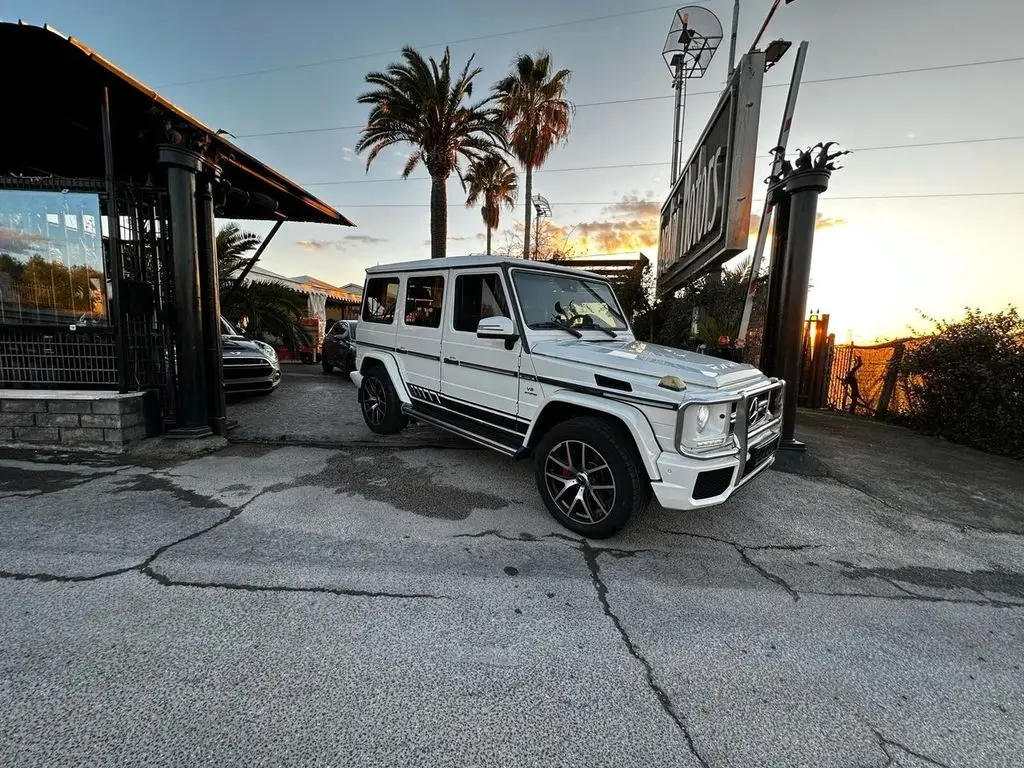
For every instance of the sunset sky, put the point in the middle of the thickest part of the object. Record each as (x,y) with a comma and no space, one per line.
(890,249)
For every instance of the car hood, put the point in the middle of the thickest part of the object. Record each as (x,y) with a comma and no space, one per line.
(236,345)
(654,360)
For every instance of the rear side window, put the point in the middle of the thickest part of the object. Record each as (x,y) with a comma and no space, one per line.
(423,301)
(380,300)
(477,297)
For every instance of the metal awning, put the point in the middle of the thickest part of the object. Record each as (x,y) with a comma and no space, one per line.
(52,124)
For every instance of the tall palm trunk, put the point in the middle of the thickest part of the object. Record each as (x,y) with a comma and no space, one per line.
(488,239)
(438,217)
(529,203)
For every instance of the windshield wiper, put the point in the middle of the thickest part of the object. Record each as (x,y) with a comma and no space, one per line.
(555,324)
(611,309)
(596,327)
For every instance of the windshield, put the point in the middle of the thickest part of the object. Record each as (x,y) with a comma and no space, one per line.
(550,300)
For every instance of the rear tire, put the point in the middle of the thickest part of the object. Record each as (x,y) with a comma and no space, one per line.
(382,410)
(589,476)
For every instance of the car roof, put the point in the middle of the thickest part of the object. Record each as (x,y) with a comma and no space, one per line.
(477,261)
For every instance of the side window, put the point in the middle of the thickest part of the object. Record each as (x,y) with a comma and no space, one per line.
(380,300)
(477,297)
(423,301)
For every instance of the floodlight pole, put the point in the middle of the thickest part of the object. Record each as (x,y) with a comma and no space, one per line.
(732,40)
(679,83)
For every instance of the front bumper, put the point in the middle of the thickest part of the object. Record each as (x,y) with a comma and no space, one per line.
(688,483)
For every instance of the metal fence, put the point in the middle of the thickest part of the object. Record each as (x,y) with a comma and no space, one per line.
(866,380)
(65,351)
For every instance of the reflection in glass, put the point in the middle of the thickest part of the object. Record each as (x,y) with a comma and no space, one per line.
(51,259)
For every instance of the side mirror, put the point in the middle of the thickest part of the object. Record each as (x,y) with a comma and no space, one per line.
(499,327)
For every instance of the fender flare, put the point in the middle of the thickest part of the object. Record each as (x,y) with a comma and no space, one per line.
(631,417)
(391,366)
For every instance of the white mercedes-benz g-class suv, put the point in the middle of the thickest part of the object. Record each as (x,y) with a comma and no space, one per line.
(528,358)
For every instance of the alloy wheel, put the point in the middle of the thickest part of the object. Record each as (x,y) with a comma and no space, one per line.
(580,481)
(375,401)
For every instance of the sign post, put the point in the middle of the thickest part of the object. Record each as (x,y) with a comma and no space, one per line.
(706,219)
(767,211)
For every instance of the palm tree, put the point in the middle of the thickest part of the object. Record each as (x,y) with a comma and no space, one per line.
(538,117)
(492,180)
(271,311)
(419,103)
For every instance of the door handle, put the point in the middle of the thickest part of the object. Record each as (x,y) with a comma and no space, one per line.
(452,360)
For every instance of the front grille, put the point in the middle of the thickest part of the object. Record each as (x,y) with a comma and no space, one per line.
(760,455)
(246,368)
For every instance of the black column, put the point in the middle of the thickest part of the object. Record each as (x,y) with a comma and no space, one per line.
(182,166)
(803,187)
(209,280)
(776,283)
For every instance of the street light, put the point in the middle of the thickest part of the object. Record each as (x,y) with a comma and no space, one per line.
(774,52)
(693,38)
(542,208)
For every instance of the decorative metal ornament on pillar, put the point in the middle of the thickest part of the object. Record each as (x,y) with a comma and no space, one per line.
(209,281)
(802,181)
(182,166)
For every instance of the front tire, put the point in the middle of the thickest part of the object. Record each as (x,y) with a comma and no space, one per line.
(328,368)
(382,410)
(589,476)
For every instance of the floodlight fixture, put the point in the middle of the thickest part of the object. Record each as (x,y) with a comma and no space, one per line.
(693,38)
(541,206)
(774,52)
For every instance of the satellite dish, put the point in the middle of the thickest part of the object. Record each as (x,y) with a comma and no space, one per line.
(692,40)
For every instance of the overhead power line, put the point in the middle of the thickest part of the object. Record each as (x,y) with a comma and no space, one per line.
(836,79)
(858,150)
(829,198)
(359,56)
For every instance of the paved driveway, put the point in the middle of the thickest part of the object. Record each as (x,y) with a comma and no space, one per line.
(306,606)
(311,407)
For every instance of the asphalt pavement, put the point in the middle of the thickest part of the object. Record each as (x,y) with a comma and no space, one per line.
(365,605)
(310,407)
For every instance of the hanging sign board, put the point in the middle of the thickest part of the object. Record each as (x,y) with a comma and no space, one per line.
(706,219)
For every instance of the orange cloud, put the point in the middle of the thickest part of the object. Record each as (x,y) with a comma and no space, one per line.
(823,222)
(628,225)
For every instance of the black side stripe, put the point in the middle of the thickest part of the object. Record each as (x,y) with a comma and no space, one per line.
(614,395)
(374,346)
(490,417)
(620,396)
(423,355)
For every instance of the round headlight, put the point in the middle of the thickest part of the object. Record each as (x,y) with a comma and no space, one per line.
(703,414)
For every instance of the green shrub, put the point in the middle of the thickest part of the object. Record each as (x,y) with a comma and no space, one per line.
(966,384)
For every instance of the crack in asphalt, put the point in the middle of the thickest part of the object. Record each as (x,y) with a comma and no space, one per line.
(590,555)
(892,507)
(742,549)
(339,591)
(44,577)
(885,744)
(145,567)
(917,597)
(907,594)
(496,534)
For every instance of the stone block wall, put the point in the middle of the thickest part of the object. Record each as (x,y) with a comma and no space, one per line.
(104,421)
